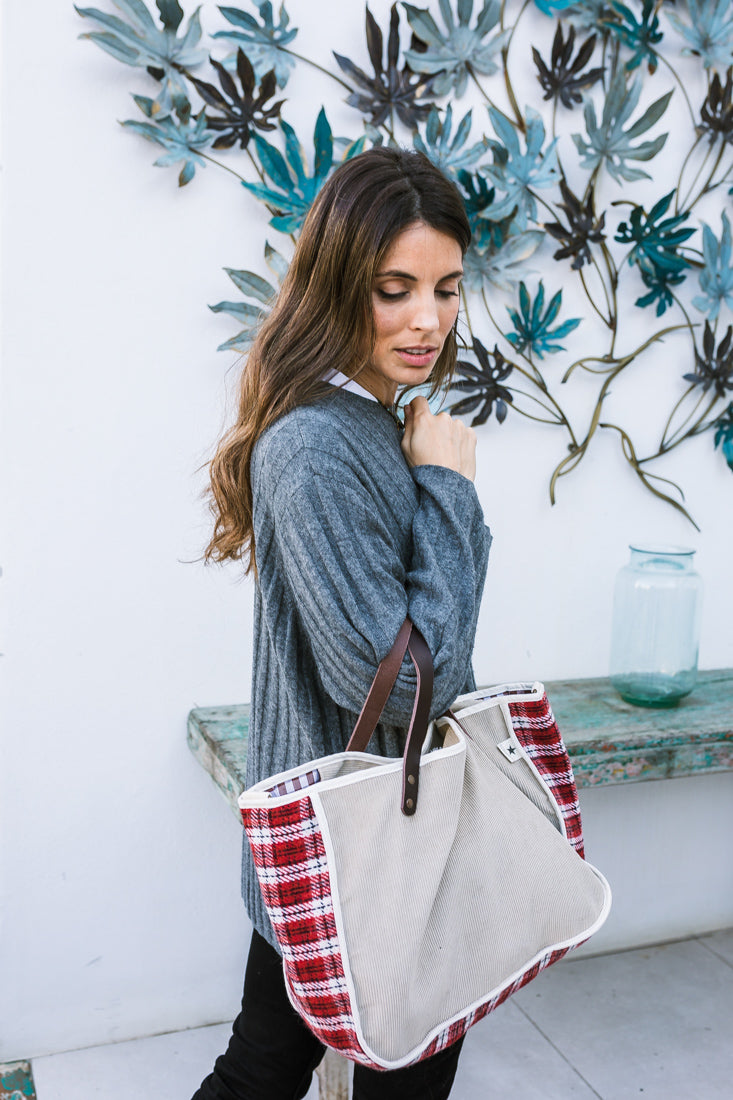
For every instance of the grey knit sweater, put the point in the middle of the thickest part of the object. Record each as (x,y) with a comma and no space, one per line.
(348,541)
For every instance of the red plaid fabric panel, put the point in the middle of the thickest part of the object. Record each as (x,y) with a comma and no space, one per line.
(292,869)
(536,730)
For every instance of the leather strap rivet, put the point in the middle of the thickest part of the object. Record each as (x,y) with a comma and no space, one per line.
(411,780)
(409,803)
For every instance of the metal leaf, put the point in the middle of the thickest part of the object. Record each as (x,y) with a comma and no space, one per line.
(375,42)
(264,43)
(277,263)
(138,13)
(171,13)
(391,90)
(112,45)
(273,163)
(452,56)
(254,286)
(323,146)
(650,116)
(608,143)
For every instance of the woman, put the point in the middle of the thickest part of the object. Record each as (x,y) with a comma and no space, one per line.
(349,524)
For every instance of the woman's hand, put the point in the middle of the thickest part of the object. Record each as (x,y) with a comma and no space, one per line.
(438,440)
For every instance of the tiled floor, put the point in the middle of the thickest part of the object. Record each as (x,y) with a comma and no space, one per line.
(655,1024)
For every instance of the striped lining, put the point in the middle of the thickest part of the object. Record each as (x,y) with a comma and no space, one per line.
(296,783)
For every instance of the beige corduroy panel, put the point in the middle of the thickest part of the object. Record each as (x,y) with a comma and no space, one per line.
(479,873)
(488,728)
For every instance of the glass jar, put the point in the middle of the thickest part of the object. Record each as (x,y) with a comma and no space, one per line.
(656,626)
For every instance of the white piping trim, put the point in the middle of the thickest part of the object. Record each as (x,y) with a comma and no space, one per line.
(257,795)
(339,921)
(520,692)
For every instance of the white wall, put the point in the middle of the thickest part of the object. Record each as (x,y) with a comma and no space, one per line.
(119,901)
(665,849)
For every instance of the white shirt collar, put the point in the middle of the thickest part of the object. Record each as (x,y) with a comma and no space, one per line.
(337,378)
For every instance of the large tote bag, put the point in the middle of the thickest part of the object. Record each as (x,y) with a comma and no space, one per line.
(412,896)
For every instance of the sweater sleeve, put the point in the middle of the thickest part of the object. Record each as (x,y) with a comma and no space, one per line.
(352,589)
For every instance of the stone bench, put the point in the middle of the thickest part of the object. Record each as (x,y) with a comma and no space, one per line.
(609,742)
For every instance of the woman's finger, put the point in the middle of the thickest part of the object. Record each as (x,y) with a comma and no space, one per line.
(419,405)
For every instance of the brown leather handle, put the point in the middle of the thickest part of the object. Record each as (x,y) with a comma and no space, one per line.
(408,638)
(379,692)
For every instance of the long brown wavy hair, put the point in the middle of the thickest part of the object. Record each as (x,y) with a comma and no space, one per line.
(322,317)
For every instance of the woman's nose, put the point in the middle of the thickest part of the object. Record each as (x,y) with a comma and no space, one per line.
(425,314)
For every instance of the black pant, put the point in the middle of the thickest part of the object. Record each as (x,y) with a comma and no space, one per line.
(272,1054)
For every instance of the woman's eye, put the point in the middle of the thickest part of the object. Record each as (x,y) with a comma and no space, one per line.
(386,296)
(447,293)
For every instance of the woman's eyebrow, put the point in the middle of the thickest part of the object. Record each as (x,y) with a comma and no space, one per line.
(394,274)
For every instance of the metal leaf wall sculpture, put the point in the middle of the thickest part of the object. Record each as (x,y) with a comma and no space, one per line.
(557,192)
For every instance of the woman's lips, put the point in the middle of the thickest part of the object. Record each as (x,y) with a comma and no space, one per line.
(417,356)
